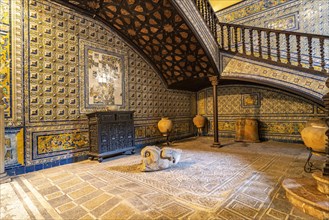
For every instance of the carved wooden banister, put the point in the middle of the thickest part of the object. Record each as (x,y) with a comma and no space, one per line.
(274,46)
(269,45)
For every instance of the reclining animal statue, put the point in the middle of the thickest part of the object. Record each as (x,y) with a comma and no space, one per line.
(155,158)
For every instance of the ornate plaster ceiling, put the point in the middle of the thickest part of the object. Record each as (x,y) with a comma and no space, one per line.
(160,32)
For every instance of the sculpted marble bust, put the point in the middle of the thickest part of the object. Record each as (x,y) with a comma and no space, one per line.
(155,158)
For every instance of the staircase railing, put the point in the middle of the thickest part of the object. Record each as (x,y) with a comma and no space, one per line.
(301,51)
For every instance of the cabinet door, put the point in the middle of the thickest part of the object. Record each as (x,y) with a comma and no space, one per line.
(104,138)
(130,134)
(113,134)
(122,135)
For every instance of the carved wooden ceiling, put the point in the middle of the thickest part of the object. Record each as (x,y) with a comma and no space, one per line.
(160,32)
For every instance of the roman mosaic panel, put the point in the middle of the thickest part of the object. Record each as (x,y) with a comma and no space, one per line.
(281,116)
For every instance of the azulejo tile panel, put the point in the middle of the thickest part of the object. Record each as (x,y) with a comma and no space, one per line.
(288,22)
(250,8)
(11,51)
(104,76)
(47,144)
(5,55)
(11,151)
(234,67)
(281,116)
(50,143)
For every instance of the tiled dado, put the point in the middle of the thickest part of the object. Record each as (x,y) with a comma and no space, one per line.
(147,132)
(281,116)
(19,169)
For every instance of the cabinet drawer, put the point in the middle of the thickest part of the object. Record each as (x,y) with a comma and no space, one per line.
(124,117)
(107,118)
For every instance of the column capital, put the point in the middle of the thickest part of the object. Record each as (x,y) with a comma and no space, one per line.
(213,80)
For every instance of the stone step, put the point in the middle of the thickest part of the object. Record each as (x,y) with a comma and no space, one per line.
(303,194)
(322,181)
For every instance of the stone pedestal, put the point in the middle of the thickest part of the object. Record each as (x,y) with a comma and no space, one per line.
(322,182)
(303,194)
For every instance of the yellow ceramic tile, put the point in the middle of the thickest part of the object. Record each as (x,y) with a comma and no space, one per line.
(54,195)
(69,183)
(81,192)
(66,207)
(92,204)
(87,217)
(122,211)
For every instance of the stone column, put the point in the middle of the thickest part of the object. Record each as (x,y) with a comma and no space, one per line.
(214,83)
(4,178)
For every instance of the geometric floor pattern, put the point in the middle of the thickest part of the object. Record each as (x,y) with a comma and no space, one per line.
(237,181)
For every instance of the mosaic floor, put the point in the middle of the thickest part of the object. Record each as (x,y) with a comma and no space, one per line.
(238,181)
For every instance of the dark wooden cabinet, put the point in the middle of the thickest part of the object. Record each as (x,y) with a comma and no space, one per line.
(110,133)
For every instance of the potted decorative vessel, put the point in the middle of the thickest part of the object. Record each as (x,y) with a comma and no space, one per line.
(165,126)
(314,135)
(199,122)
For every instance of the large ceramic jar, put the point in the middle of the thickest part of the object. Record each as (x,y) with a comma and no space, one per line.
(165,126)
(199,121)
(314,135)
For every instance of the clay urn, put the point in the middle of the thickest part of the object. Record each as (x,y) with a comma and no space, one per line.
(199,122)
(165,126)
(314,136)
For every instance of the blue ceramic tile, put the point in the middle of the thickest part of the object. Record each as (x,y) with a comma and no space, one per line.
(63,161)
(19,170)
(11,172)
(47,165)
(55,163)
(29,169)
(38,167)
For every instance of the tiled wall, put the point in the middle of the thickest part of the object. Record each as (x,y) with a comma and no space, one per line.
(57,89)
(281,116)
(239,68)
(310,16)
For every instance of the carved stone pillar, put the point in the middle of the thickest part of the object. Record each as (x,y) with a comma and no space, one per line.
(214,83)
(4,178)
